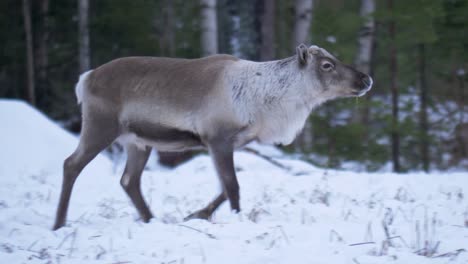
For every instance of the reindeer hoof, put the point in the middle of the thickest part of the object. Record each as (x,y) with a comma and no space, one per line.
(58,225)
(146,218)
(200,214)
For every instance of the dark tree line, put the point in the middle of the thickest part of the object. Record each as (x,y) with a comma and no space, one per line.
(417,52)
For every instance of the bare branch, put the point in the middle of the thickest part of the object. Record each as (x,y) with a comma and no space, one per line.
(199,231)
(267,158)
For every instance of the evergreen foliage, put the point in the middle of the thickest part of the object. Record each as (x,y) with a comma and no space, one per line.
(172,28)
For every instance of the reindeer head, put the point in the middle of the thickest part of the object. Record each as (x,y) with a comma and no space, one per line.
(329,77)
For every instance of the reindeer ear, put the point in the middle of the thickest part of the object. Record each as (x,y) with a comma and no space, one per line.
(302,54)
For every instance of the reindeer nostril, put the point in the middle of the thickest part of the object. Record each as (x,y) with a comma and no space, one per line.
(367,80)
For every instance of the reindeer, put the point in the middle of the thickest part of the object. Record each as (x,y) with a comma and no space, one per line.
(219,103)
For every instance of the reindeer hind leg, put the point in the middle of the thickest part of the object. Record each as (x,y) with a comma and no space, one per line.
(131,179)
(97,134)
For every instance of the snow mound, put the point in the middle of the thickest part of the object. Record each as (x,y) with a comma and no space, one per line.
(295,213)
(33,149)
(31,141)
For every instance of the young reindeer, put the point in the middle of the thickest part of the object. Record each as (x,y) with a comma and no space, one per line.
(220,103)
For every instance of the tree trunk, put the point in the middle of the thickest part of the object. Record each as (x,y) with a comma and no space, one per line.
(303,19)
(267,30)
(283,42)
(462,93)
(366,37)
(165,27)
(42,58)
(168,48)
(83,35)
(424,126)
(209,27)
(29,52)
(394,88)
(362,62)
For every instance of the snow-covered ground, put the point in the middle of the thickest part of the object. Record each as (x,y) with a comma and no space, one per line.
(299,215)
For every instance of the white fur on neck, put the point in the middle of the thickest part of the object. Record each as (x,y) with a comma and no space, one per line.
(276,109)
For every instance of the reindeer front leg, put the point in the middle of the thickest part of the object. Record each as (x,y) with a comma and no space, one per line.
(206,212)
(222,154)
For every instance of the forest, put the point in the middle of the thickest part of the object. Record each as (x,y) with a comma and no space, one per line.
(415,117)
(380,178)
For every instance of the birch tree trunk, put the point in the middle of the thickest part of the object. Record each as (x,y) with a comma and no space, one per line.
(366,37)
(29,52)
(363,59)
(83,35)
(267,30)
(209,27)
(302,23)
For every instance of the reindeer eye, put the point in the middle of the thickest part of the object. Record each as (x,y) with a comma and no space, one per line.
(327,66)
